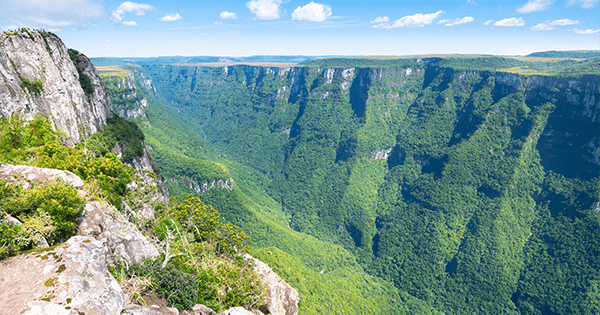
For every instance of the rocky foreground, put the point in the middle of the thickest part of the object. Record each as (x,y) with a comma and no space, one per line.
(73,277)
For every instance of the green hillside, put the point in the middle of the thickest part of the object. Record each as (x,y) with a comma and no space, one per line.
(403,186)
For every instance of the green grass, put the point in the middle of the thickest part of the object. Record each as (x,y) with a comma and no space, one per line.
(112,71)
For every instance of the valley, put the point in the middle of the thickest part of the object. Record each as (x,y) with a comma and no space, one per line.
(390,185)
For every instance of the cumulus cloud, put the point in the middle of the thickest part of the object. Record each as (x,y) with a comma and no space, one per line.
(584,3)
(129,23)
(548,26)
(564,22)
(588,31)
(228,15)
(265,9)
(443,21)
(542,27)
(128,6)
(312,12)
(170,17)
(380,19)
(416,20)
(510,22)
(466,19)
(53,14)
(535,5)
(488,22)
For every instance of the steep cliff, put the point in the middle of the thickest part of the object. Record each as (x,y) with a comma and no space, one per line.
(451,178)
(39,76)
(107,207)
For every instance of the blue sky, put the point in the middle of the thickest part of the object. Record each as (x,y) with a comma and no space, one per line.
(322,27)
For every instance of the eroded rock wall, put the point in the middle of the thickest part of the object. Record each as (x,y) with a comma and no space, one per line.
(29,58)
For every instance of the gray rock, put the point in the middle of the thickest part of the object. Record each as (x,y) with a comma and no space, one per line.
(201,309)
(62,99)
(11,220)
(76,281)
(133,309)
(236,311)
(123,239)
(90,222)
(22,174)
(91,286)
(282,299)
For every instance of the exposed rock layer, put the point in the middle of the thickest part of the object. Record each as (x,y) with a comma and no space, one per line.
(35,56)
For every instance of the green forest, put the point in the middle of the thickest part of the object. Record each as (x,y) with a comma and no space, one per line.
(456,185)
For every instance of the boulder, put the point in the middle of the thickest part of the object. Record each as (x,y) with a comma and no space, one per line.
(282,299)
(123,239)
(70,279)
(236,311)
(200,309)
(23,174)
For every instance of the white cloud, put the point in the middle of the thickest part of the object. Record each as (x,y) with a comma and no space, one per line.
(51,13)
(584,3)
(128,6)
(265,9)
(564,22)
(170,17)
(218,23)
(588,31)
(466,19)
(380,19)
(416,20)
(535,5)
(543,27)
(510,22)
(443,21)
(471,2)
(312,12)
(129,23)
(548,26)
(228,15)
(488,22)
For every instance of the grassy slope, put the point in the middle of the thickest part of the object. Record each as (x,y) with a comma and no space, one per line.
(438,240)
(298,258)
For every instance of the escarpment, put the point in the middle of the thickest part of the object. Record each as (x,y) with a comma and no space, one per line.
(94,220)
(39,76)
(448,177)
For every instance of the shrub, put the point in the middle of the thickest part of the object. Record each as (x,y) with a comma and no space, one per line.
(9,241)
(111,175)
(34,87)
(57,199)
(178,287)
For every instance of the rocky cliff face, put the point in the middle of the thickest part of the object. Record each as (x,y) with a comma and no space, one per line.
(37,75)
(128,101)
(40,76)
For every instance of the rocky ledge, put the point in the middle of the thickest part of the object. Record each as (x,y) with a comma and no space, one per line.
(73,278)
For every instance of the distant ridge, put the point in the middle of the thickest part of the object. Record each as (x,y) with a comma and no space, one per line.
(193,60)
(579,54)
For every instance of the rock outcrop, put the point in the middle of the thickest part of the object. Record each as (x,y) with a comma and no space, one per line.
(73,277)
(282,299)
(22,174)
(37,76)
(69,279)
(123,239)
